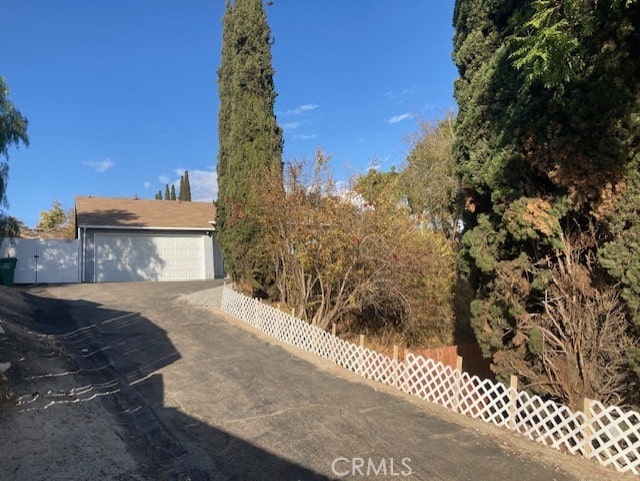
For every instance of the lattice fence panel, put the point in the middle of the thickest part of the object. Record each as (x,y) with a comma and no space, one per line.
(487,400)
(614,437)
(610,435)
(431,380)
(550,423)
(380,368)
(348,356)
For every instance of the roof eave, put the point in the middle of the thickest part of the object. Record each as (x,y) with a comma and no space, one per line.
(138,227)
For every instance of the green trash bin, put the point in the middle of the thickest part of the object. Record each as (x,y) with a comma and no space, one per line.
(7,270)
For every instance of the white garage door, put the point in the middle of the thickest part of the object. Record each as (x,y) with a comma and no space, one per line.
(139,257)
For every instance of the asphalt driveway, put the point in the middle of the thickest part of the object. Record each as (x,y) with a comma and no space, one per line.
(194,395)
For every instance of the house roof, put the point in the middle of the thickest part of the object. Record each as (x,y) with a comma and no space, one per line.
(145,214)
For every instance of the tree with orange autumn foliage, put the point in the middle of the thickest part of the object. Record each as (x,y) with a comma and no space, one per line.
(337,261)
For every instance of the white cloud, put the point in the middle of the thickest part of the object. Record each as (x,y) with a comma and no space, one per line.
(300,109)
(163,179)
(204,184)
(398,118)
(291,125)
(147,185)
(398,95)
(304,136)
(100,165)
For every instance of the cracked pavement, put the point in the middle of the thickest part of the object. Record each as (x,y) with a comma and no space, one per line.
(196,395)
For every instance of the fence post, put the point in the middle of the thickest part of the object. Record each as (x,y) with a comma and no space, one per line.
(587,428)
(458,387)
(333,329)
(513,401)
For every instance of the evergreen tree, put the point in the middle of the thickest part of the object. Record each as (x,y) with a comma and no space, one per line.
(250,141)
(173,192)
(187,187)
(184,192)
(167,192)
(158,195)
(546,144)
(181,189)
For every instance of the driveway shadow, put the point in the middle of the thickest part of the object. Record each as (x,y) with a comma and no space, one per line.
(118,354)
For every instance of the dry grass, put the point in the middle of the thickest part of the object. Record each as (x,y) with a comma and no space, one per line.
(380,342)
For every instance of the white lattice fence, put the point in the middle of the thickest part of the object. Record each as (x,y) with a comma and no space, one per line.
(614,437)
(605,433)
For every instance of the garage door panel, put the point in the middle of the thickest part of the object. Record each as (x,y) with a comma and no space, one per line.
(138,257)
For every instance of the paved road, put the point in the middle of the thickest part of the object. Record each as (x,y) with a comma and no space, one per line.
(196,396)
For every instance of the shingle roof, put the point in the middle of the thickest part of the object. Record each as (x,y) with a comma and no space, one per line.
(110,211)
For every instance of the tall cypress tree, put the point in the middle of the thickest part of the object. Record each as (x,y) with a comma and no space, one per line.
(546,143)
(167,192)
(181,189)
(249,138)
(173,192)
(187,187)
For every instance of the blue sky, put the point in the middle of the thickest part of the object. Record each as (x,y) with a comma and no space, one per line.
(121,96)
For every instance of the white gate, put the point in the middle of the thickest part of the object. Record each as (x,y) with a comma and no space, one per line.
(43,261)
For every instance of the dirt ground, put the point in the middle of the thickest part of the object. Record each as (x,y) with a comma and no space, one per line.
(41,437)
(132,382)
